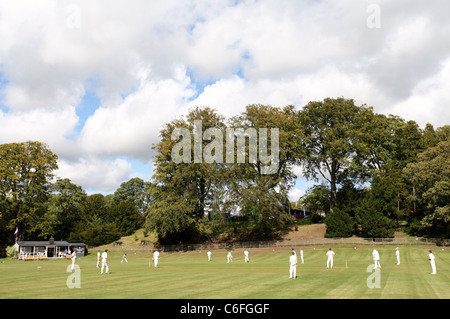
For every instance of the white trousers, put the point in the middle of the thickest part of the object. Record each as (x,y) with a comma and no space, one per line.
(433,266)
(103,266)
(330,263)
(376,264)
(155,261)
(293,271)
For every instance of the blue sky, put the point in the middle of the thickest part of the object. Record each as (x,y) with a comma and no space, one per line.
(88,104)
(96,81)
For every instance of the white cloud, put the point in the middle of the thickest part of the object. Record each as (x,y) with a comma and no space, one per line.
(429,100)
(49,126)
(131,127)
(96,173)
(145,59)
(295,194)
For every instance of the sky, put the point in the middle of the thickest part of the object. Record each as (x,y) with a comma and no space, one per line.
(96,81)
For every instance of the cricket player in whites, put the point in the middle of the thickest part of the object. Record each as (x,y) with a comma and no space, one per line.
(376,259)
(330,254)
(74,258)
(155,257)
(229,257)
(293,266)
(99,258)
(246,256)
(397,254)
(105,261)
(432,262)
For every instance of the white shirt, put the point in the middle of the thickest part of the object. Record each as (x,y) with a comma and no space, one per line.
(246,253)
(104,256)
(330,254)
(293,260)
(397,253)
(229,254)
(431,256)
(74,255)
(301,252)
(156,255)
(375,255)
(209,253)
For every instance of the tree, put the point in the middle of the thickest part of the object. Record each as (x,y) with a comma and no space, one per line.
(259,183)
(332,130)
(26,170)
(96,211)
(65,207)
(374,224)
(186,178)
(135,190)
(386,143)
(430,177)
(126,216)
(390,189)
(95,235)
(339,224)
(317,198)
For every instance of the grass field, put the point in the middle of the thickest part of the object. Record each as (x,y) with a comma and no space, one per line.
(189,275)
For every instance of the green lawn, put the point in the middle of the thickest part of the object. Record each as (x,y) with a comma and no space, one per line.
(189,275)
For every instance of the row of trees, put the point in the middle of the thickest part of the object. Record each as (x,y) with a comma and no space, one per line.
(38,207)
(375,170)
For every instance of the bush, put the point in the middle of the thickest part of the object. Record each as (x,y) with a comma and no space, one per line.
(414,228)
(11,252)
(339,224)
(373,223)
(96,235)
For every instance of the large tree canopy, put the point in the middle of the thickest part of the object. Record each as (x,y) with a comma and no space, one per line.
(430,177)
(26,171)
(333,129)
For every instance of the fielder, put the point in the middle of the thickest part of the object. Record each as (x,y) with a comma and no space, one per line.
(376,259)
(124,257)
(293,266)
(105,261)
(209,255)
(397,254)
(301,255)
(246,256)
(155,257)
(229,257)
(432,262)
(99,258)
(74,258)
(330,254)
